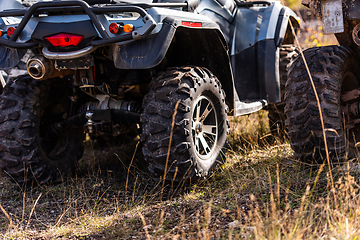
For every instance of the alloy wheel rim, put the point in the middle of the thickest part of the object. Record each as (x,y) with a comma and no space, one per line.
(204,126)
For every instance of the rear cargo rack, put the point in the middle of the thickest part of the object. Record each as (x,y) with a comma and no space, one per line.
(66,6)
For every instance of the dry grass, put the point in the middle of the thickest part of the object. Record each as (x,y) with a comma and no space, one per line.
(261,192)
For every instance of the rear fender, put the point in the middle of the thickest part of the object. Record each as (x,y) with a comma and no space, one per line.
(10,57)
(176,45)
(145,53)
(204,48)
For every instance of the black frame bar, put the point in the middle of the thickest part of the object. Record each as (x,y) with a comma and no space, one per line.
(65,6)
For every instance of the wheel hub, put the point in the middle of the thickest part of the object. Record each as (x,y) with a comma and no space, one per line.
(198,128)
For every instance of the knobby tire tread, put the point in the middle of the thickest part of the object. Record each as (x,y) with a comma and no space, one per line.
(171,86)
(326,65)
(21,157)
(276,113)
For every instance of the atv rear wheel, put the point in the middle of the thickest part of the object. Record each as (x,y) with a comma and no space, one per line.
(276,113)
(334,71)
(200,129)
(29,149)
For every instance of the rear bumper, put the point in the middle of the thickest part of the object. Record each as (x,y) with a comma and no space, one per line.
(70,6)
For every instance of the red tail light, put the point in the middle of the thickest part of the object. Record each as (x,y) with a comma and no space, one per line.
(64,40)
(192,24)
(114,28)
(10,31)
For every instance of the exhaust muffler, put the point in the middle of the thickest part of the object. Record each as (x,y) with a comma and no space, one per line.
(41,68)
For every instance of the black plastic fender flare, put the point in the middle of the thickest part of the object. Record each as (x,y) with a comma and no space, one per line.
(151,51)
(145,53)
(285,15)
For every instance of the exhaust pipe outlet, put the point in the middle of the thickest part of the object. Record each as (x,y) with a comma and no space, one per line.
(40,68)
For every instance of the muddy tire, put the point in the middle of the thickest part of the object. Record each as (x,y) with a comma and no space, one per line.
(334,71)
(29,151)
(198,136)
(276,113)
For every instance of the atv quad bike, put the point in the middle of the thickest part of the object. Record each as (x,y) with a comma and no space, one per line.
(175,69)
(336,75)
